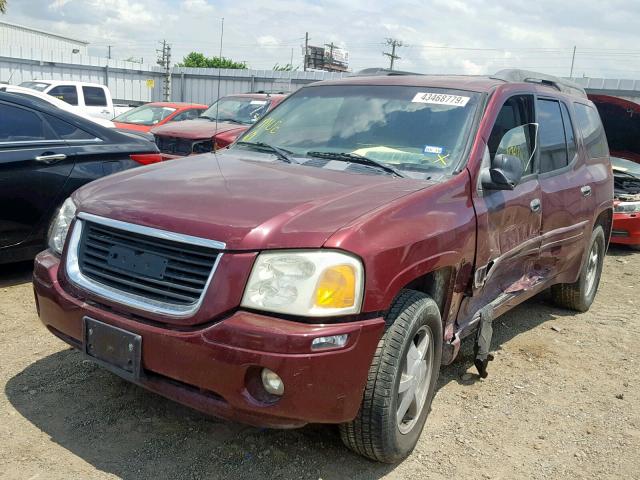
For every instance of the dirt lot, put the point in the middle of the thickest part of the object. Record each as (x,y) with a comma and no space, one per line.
(561,401)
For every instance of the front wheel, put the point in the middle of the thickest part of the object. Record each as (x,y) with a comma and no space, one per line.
(579,295)
(401,381)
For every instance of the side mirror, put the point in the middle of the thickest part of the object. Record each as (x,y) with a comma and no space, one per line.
(504,174)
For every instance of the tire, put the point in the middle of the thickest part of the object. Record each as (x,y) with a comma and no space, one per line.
(376,432)
(579,296)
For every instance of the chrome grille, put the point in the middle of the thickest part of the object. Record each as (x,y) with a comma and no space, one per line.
(160,270)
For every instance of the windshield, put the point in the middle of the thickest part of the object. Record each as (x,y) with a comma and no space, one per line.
(145,115)
(626,166)
(419,129)
(244,110)
(39,86)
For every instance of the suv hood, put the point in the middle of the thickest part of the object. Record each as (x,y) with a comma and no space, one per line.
(196,129)
(248,201)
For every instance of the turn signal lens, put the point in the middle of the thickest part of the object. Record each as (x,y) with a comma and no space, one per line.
(146,158)
(336,287)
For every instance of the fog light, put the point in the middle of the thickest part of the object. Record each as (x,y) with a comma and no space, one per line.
(272,383)
(333,341)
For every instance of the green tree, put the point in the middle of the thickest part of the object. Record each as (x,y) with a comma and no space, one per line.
(3,6)
(285,68)
(199,60)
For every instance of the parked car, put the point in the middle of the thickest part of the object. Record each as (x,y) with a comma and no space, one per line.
(324,267)
(45,154)
(626,213)
(91,99)
(154,114)
(34,94)
(235,114)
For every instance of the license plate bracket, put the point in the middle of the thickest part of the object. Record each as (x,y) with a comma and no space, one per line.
(116,349)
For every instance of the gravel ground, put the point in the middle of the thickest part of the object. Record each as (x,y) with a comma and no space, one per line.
(561,401)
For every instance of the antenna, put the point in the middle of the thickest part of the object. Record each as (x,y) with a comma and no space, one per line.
(219,76)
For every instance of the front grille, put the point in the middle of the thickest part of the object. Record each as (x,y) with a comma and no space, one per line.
(173,145)
(157,269)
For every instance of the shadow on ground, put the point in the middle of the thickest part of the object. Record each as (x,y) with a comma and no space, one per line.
(15,273)
(122,429)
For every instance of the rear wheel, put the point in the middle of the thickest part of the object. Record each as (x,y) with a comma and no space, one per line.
(579,295)
(401,382)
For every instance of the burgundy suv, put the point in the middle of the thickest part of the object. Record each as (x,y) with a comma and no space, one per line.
(325,266)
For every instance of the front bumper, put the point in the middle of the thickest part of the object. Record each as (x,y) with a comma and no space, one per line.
(626,228)
(207,367)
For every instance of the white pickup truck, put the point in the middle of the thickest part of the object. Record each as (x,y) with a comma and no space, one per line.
(89,98)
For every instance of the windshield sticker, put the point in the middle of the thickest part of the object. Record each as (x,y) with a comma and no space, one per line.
(442,159)
(441,99)
(258,102)
(433,150)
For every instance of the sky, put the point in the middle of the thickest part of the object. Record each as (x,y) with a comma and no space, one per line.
(438,36)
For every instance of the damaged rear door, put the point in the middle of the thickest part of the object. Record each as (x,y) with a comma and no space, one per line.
(568,201)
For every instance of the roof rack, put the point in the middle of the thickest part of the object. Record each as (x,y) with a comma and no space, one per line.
(515,75)
(376,71)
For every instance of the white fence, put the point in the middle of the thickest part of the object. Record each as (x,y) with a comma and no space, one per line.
(135,82)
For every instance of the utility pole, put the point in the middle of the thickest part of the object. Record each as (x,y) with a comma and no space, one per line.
(573,61)
(329,67)
(109,54)
(164,60)
(306,50)
(393,43)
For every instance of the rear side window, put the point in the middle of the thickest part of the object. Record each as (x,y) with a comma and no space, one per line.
(568,133)
(66,93)
(552,142)
(66,131)
(21,125)
(588,120)
(94,97)
(187,115)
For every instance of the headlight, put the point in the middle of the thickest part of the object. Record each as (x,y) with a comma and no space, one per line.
(60,225)
(309,283)
(627,207)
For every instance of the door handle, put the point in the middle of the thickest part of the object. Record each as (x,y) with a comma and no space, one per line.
(586,191)
(49,159)
(535,205)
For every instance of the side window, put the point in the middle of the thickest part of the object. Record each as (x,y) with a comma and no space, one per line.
(568,133)
(553,146)
(66,131)
(66,93)
(592,131)
(21,125)
(511,134)
(186,115)
(94,97)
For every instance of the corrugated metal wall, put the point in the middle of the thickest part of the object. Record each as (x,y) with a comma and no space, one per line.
(128,81)
(201,84)
(15,35)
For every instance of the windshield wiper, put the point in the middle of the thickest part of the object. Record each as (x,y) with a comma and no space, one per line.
(281,153)
(231,120)
(355,158)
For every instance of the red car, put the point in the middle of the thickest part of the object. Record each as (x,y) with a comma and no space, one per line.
(626,213)
(149,115)
(235,114)
(324,267)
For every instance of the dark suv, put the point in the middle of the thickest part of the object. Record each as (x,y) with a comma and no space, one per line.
(325,266)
